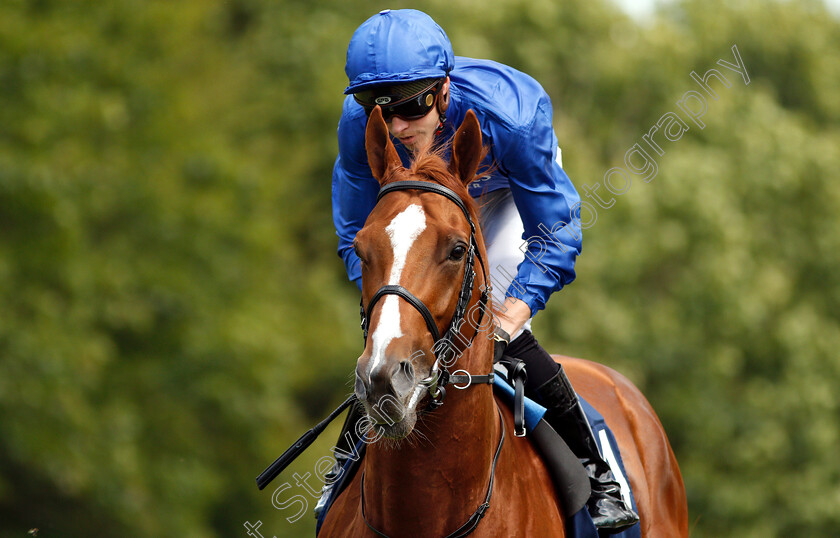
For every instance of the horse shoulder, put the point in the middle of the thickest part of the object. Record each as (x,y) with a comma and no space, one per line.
(648,458)
(344,517)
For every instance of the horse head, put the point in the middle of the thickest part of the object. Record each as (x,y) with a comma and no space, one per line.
(417,245)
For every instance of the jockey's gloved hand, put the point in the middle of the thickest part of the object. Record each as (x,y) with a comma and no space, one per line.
(501,340)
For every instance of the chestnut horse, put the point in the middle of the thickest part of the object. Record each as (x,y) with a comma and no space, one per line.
(432,472)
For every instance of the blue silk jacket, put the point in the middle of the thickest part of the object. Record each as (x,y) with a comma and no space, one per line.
(515,114)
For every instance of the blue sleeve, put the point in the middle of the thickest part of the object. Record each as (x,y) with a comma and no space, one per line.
(354,189)
(549,206)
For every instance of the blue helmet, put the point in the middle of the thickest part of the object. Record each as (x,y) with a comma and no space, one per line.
(395,47)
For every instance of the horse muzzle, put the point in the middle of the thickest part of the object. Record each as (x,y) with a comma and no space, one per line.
(387,392)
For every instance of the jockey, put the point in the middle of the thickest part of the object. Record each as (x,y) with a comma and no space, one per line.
(530,211)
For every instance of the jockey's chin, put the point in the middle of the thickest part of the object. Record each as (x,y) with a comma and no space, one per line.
(415,134)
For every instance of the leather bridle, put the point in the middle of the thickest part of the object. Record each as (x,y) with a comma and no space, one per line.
(440,375)
(443,346)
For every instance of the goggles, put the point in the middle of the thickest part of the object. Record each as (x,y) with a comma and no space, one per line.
(394,101)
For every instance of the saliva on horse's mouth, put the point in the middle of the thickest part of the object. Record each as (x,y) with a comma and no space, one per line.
(391,427)
(393,431)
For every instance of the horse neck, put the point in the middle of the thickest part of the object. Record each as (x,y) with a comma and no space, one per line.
(436,479)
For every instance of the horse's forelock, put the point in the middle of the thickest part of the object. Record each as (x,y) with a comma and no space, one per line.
(429,164)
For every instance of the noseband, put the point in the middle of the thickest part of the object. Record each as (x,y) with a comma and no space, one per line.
(439,375)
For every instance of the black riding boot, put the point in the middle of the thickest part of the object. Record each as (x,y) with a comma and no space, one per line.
(345,447)
(550,386)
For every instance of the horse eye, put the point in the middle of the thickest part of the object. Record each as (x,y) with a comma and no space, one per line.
(457,253)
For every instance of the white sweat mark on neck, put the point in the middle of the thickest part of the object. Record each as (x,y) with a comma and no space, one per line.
(403,231)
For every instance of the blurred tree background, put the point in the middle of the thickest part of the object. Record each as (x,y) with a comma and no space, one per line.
(173,314)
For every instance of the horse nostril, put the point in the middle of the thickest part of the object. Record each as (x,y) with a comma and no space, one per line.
(407,369)
(379,383)
(403,378)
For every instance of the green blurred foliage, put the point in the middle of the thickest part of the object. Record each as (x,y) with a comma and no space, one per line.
(174,315)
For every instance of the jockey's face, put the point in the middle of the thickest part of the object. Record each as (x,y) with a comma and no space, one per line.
(415,134)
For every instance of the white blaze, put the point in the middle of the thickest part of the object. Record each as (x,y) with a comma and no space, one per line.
(403,231)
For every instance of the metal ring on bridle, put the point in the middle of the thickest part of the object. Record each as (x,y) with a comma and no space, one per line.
(469,379)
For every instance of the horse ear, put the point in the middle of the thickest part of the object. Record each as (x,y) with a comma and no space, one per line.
(466,149)
(381,153)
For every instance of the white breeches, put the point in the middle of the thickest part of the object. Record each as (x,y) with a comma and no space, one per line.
(502,228)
